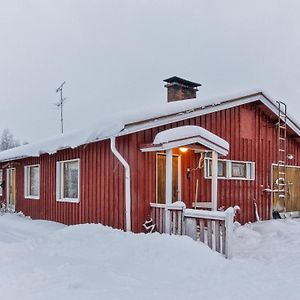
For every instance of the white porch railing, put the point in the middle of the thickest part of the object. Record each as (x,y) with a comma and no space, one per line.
(214,228)
(158,216)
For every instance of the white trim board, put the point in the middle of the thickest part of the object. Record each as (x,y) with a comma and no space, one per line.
(181,116)
(185,142)
(7,189)
(179,175)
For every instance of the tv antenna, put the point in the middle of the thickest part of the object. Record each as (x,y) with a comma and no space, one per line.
(60,105)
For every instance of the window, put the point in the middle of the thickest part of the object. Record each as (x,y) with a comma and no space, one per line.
(67,187)
(221,168)
(32,182)
(238,170)
(227,169)
(1,182)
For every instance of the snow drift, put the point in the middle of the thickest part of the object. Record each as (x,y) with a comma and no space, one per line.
(46,260)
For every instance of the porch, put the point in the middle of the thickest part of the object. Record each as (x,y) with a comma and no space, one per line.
(213,228)
(201,220)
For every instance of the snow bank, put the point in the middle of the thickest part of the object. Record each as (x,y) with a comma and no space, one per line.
(46,260)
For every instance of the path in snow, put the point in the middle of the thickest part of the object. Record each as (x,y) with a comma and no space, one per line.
(46,260)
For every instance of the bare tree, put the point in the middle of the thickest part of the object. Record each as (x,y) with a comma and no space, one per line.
(7,140)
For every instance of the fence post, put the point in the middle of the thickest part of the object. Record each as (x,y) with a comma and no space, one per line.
(229,215)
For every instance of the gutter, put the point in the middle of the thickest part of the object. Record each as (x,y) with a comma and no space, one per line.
(127,182)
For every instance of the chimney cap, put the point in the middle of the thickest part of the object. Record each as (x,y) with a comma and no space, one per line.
(182,81)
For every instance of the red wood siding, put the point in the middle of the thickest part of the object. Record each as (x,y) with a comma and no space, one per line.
(102,175)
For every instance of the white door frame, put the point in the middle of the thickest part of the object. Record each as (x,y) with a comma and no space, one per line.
(8,206)
(179,175)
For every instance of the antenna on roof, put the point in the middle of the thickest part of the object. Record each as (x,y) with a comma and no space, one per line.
(60,105)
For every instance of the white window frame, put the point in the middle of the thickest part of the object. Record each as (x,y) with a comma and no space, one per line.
(26,179)
(250,169)
(1,182)
(60,181)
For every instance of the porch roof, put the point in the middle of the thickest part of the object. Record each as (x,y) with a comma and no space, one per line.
(187,135)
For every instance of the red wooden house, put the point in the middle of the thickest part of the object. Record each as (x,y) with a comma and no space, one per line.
(241,150)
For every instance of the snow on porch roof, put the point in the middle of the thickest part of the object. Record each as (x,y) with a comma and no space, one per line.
(186,135)
(124,123)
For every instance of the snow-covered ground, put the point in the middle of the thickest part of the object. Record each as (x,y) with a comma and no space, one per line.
(46,260)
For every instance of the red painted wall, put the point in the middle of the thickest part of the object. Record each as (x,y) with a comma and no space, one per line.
(252,137)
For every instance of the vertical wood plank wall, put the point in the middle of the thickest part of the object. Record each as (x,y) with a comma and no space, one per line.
(249,131)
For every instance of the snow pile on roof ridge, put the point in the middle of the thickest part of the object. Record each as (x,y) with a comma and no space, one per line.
(107,127)
(184,132)
(63,141)
(112,125)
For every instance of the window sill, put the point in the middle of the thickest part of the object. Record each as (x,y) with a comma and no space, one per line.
(233,178)
(32,198)
(68,200)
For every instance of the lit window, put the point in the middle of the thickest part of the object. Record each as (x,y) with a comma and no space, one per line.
(1,182)
(32,182)
(67,181)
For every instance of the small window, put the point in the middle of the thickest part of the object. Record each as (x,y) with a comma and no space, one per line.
(227,169)
(238,170)
(32,182)
(221,168)
(68,181)
(1,182)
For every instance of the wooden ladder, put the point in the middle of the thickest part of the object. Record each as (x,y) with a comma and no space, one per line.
(282,154)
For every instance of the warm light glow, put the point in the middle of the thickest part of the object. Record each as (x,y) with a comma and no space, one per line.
(183,149)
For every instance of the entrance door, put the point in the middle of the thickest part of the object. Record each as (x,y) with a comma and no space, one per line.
(161,178)
(293,190)
(11,189)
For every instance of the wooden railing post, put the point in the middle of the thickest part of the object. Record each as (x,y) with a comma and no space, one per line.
(229,215)
(169,172)
(214,181)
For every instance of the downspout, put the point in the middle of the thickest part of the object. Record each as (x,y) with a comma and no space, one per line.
(127,182)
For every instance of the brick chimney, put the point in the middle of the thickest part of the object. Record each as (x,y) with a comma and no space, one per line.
(180,89)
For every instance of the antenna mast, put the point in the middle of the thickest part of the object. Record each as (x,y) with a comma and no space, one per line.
(60,105)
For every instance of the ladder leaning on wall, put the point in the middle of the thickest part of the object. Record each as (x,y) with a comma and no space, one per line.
(281,159)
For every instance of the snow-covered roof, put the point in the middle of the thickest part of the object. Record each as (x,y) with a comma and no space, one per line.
(125,123)
(187,135)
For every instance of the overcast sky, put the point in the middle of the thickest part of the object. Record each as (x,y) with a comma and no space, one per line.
(114,55)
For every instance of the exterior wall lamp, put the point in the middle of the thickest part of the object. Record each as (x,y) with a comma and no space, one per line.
(183,149)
